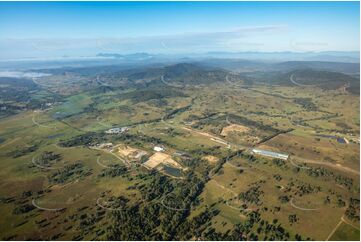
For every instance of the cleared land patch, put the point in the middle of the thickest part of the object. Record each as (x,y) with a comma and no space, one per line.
(161,158)
(130,152)
(234,128)
(211,159)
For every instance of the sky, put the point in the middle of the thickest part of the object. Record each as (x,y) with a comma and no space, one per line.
(43,29)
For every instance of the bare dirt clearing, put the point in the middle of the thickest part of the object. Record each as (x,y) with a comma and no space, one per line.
(161,158)
(130,152)
(234,128)
(211,159)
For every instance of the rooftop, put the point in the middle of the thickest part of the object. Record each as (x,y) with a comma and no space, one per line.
(271,154)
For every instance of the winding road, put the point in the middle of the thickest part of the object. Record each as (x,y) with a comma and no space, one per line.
(106,208)
(46,209)
(300,208)
(169,84)
(171,208)
(127,163)
(41,125)
(104,166)
(299,84)
(42,167)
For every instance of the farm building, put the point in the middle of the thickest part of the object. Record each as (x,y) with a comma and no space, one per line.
(270,154)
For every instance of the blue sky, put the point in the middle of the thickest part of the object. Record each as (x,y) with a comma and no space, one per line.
(85,28)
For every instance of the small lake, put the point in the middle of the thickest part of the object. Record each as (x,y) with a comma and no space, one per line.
(172,171)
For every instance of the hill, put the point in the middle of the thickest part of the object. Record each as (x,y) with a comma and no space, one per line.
(182,73)
(348,68)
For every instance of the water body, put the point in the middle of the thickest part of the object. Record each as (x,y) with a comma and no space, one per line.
(21,74)
(172,171)
(55,136)
(339,139)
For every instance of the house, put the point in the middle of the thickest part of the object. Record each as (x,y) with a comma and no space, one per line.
(270,154)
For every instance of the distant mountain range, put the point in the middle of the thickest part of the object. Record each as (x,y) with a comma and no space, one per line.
(135,56)
(330,56)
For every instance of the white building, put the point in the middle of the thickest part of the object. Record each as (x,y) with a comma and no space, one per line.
(158,149)
(270,154)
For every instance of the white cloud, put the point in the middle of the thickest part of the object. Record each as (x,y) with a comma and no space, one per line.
(182,42)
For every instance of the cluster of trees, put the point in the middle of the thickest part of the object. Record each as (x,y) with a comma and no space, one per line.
(48,157)
(149,94)
(206,115)
(154,222)
(93,138)
(344,181)
(252,195)
(248,156)
(116,170)
(254,229)
(247,122)
(274,135)
(19,94)
(353,210)
(277,177)
(84,139)
(284,199)
(217,123)
(306,103)
(69,173)
(325,79)
(319,172)
(340,202)
(171,132)
(304,189)
(339,179)
(15,94)
(223,160)
(278,162)
(292,218)
(176,111)
(23,151)
(150,220)
(24,208)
